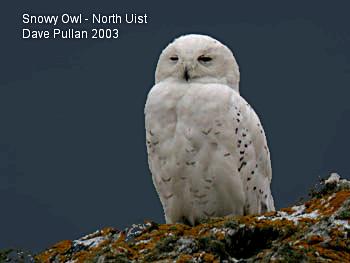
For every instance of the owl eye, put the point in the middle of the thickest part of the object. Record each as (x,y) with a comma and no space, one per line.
(204,59)
(174,58)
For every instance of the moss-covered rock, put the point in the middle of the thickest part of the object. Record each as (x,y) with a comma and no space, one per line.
(314,231)
(16,256)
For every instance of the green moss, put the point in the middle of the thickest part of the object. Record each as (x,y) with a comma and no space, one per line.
(231,224)
(152,226)
(173,228)
(151,257)
(247,238)
(4,254)
(166,244)
(217,247)
(120,259)
(211,245)
(209,221)
(291,255)
(345,214)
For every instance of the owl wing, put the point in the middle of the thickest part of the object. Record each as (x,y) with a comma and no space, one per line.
(160,122)
(254,164)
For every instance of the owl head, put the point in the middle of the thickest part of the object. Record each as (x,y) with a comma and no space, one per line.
(198,59)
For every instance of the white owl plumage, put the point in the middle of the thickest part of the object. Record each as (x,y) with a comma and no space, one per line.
(207,150)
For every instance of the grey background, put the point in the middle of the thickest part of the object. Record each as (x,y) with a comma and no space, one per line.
(72,151)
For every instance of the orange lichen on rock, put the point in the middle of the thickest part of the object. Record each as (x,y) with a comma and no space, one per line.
(314,239)
(58,249)
(62,247)
(184,259)
(288,210)
(307,220)
(328,204)
(339,198)
(206,257)
(83,256)
(316,231)
(107,231)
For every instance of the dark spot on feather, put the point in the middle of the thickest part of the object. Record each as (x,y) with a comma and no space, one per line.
(200,196)
(168,196)
(193,190)
(242,164)
(207,132)
(209,214)
(166,179)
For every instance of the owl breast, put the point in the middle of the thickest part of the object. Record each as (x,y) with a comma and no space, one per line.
(192,132)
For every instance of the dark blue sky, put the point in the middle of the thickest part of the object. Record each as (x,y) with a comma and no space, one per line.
(72,147)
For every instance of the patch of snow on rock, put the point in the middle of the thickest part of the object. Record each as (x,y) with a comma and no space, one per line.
(299,213)
(92,242)
(333,178)
(342,223)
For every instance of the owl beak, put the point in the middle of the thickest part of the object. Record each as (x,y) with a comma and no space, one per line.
(186,75)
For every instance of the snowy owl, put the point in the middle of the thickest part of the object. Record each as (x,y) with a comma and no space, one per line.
(207,150)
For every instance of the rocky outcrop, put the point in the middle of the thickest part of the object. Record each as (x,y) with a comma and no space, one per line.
(317,230)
